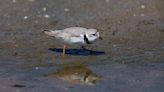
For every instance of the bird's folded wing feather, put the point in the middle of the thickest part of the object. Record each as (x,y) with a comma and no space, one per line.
(75,30)
(52,33)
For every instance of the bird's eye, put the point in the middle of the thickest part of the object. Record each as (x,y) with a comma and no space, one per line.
(94,34)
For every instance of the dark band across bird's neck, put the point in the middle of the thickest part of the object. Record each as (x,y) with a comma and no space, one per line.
(86,39)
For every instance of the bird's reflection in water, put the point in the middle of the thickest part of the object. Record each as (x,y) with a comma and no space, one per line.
(77,75)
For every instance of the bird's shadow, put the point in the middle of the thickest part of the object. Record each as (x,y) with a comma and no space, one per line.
(78,52)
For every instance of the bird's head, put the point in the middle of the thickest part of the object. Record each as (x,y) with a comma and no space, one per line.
(92,35)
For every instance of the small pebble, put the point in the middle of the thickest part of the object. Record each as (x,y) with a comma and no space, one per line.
(44,9)
(134,15)
(114,45)
(107,1)
(66,88)
(36,68)
(31,0)
(14,1)
(36,21)
(119,22)
(143,6)
(149,53)
(18,90)
(25,17)
(66,10)
(46,16)
(8,24)
(142,14)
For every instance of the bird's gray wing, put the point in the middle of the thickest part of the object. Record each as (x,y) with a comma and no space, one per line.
(51,32)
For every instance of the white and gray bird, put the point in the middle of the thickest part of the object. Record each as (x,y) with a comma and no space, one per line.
(75,35)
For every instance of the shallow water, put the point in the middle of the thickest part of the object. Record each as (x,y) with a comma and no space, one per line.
(114,77)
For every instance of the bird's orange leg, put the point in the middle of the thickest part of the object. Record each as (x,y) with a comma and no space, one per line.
(64,49)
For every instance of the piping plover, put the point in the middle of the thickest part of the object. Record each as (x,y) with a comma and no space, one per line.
(75,35)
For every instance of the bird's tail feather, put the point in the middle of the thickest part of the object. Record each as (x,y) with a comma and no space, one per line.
(51,32)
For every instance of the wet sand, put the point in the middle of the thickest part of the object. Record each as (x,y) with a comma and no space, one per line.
(133,43)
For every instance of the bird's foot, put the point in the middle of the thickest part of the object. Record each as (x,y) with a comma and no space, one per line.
(83,47)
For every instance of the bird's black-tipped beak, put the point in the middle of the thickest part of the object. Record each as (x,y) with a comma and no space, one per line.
(100,38)
(44,30)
